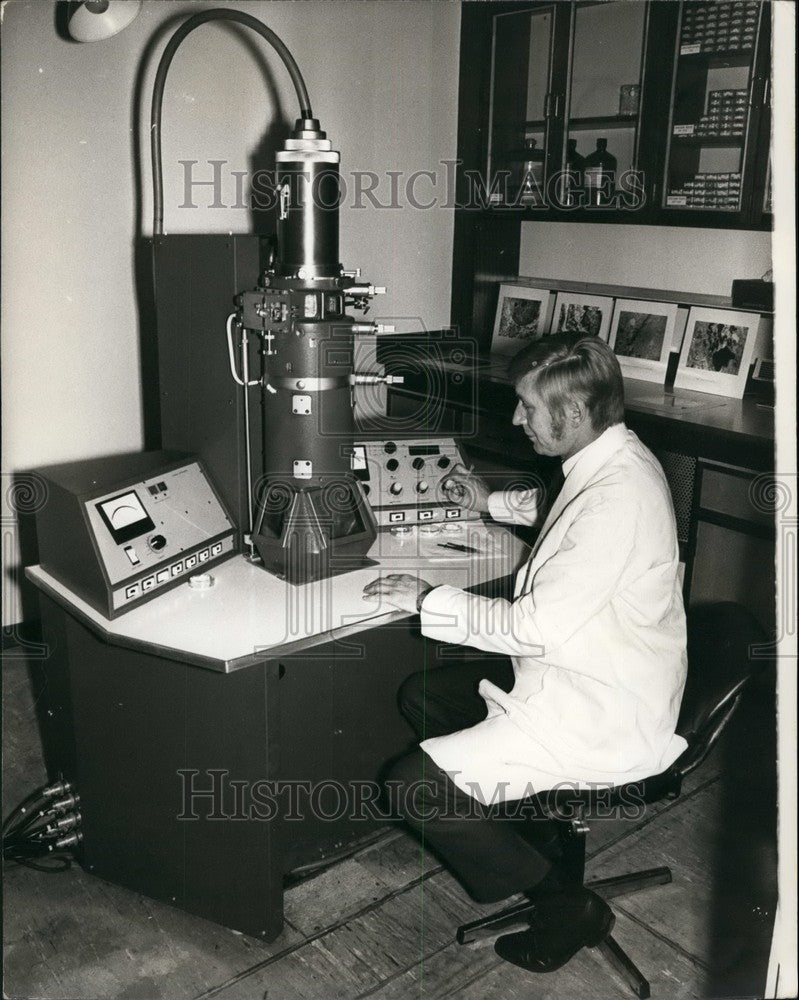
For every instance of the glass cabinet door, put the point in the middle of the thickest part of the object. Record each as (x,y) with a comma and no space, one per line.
(520,135)
(714,106)
(600,158)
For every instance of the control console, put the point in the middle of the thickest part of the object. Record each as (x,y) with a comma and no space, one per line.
(118,531)
(401,479)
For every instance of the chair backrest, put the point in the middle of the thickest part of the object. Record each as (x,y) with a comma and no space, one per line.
(722,643)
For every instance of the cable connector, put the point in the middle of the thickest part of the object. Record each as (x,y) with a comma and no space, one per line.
(57,788)
(367,378)
(71,840)
(67,804)
(68,822)
(373,328)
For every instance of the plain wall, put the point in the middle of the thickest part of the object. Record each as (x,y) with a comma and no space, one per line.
(383,80)
(683,260)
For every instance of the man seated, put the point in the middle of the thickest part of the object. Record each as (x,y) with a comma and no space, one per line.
(596,639)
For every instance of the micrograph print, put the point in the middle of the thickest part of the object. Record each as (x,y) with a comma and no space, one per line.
(520,318)
(640,335)
(717,347)
(580,319)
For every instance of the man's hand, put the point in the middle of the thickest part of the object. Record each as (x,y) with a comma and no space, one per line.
(400,589)
(462,487)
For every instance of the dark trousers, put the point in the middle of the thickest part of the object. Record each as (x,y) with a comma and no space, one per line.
(494,850)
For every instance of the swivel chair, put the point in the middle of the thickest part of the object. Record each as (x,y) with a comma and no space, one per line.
(722,659)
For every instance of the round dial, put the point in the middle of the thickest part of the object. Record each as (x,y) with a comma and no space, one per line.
(392,465)
(389,447)
(418,463)
(443,462)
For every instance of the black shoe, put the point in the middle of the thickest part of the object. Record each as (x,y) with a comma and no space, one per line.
(562,924)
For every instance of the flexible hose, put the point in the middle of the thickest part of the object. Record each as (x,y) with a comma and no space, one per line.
(217,14)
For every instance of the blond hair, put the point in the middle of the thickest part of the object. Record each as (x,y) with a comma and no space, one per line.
(566,367)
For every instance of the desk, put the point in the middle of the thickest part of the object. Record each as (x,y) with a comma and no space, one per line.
(717,453)
(225,691)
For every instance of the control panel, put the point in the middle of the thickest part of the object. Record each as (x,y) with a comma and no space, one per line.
(402,480)
(119,536)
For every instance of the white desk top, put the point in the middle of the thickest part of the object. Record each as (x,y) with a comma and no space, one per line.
(249,613)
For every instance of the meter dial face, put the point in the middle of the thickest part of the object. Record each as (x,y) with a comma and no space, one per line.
(125,517)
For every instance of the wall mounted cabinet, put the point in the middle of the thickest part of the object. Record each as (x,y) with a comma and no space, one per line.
(616,111)
(565,80)
(719,114)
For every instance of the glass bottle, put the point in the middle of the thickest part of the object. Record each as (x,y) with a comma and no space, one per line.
(532,186)
(575,163)
(599,174)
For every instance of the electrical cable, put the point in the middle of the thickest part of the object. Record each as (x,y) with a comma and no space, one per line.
(217,14)
(42,830)
(34,800)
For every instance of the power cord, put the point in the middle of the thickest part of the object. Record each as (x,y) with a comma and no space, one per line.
(44,829)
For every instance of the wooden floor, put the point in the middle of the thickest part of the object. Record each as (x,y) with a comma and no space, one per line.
(381,923)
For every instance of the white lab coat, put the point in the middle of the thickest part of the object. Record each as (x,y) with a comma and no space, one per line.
(596,633)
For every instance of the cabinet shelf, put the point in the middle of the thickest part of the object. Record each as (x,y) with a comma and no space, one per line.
(719,60)
(586,124)
(681,298)
(602,121)
(733,141)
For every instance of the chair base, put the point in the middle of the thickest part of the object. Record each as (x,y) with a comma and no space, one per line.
(625,968)
(623,885)
(483,932)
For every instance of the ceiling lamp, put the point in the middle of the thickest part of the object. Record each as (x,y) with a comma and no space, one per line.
(95,20)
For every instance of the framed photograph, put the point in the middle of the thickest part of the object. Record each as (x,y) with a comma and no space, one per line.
(587,314)
(717,350)
(522,316)
(641,335)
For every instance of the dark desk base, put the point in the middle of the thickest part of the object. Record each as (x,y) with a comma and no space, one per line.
(137,733)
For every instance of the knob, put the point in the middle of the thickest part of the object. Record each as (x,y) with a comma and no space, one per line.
(389,447)
(395,488)
(443,462)
(366,488)
(157,542)
(418,463)
(392,465)
(421,487)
